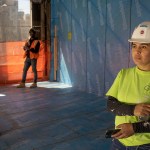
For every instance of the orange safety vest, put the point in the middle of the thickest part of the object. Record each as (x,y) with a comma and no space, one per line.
(32,55)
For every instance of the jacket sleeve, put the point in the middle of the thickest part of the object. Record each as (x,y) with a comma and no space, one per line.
(141,127)
(119,108)
(122,109)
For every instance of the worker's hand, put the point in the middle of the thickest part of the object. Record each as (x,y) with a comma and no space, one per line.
(125,132)
(26,48)
(142,110)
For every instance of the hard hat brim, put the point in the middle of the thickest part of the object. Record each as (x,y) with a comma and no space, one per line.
(138,40)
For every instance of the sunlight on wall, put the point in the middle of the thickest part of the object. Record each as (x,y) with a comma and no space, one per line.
(64,74)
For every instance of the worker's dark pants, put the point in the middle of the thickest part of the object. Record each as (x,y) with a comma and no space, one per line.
(118,146)
(29,62)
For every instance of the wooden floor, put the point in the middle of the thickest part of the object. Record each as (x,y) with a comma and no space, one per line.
(52,118)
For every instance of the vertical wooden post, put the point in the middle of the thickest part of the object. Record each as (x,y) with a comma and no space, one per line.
(55,54)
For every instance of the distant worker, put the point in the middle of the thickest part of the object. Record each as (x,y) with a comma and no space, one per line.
(31,55)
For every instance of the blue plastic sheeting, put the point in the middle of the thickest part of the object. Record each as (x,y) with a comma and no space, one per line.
(96,46)
(79,18)
(117,34)
(93,39)
(52,119)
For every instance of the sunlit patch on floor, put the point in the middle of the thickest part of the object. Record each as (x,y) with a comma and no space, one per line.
(47,84)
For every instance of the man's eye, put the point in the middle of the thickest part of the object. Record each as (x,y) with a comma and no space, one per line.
(133,46)
(144,47)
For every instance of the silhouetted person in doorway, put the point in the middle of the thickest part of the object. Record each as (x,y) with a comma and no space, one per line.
(31,48)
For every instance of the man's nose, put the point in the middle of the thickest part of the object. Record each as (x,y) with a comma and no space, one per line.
(138,50)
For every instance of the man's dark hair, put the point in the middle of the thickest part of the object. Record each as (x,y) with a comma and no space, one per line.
(32,30)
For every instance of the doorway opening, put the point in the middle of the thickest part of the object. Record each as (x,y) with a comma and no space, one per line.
(15,23)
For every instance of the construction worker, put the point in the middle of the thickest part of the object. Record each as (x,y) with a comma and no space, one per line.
(129,96)
(31,54)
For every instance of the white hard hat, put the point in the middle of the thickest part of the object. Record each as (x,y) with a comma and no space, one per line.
(141,34)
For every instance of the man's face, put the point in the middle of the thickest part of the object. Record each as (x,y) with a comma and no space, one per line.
(141,54)
(32,34)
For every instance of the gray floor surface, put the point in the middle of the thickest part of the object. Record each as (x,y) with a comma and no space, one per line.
(52,117)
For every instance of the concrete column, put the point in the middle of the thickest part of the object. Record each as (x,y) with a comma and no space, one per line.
(43,38)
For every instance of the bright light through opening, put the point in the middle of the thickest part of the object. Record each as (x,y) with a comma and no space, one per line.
(2,95)
(24,5)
